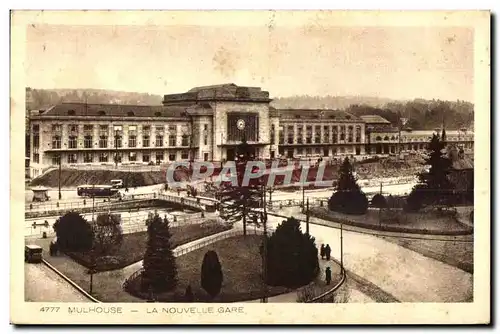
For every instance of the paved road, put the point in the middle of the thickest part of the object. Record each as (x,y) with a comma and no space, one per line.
(41,284)
(406,275)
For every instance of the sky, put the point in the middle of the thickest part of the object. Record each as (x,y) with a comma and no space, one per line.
(390,62)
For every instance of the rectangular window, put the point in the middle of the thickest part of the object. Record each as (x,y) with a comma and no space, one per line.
(145,141)
(358,134)
(36,157)
(72,142)
(72,128)
(172,128)
(291,134)
(350,134)
(300,135)
(281,136)
(72,158)
(56,142)
(317,150)
(342,133)
(205,140)
(159,140)
(160,129)
(56,128)
(159,157)
(103,141)
(172,141)
(171,157)
(335,134)
(317,134)
(88,157)
(300,151)
(132,157)
(103,129)
(132,141)
(118,141)
(309,134)
(146,129)
(56,159)
(87,142)
(145,157)
(308,151)
(273,130)
(184,155)
(118,158)
(103,157)
(88,128)
(185,140)
(326,134)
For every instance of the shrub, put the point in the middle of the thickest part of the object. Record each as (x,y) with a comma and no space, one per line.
(353,203)
(211,274)
(74,233)
(379,201)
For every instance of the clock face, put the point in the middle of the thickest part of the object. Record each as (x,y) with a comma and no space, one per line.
(240,124)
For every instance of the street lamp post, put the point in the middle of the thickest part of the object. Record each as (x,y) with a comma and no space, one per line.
(59,158)
(92,251)
(264,250)
(307,216)
(341,246)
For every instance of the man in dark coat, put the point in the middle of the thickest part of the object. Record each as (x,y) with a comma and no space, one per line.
(328,251)
(328,275)
(322,251)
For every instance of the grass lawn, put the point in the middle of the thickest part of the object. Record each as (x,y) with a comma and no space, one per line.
(134,244)
(399,221)
(241,266)
(457,254)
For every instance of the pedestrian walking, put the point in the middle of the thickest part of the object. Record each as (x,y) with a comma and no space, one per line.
(328,275)
(328,251)
(51,249)
(322,251)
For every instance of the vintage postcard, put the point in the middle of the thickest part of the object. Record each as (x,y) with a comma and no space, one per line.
(230,167)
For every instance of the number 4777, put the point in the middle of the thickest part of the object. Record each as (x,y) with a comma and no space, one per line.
(49,309)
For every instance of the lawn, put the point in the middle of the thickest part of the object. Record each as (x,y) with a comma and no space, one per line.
(241,265)
(430,222)
(134,244)
(454,253)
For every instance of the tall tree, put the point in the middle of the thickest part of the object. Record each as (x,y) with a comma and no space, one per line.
(107,234)
(160,270)
(348,197)
(211,274)
(74,233)
(292,256)
(434,186)
(237,201)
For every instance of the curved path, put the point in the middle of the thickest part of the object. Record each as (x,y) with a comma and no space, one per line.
(403,274)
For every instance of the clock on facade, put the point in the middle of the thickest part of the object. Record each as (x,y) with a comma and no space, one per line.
(240,124)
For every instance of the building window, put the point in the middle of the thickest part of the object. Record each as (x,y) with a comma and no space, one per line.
(103,141)
(172,141)
(171,157)
(300,135)
(159,157)
(87,142)
(350,134)
(358,134)
(132,156)
(342,132)
(146,129)
(118,141)
(205,140)
(281,136)
(88,157)
(159,140)
(56,128)
(118,157)
(88,128)
(317,134)
(326,134)
(160,129)
(317,150)
(103,157)
(172,128)
(378,138)
(145,157)
(145,141)
(72,128)
(335,134)
(273,130)
(132,141)
(36,157)
(184,155)
(103,130)
(185,140)
(72,142)
(56,159)
(291,134)
(386,138)
(72,158)
(300,151)
(308,151)
(56,142)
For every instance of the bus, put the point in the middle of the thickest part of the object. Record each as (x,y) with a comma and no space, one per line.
(117,184)
(96,191)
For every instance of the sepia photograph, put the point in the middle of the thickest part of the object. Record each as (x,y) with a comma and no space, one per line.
(227,167)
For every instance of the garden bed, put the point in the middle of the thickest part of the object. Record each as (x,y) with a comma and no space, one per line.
(241,266)
(398,221)
(134,245)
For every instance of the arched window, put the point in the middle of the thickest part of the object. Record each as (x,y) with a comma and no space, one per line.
(393,138)
(378,138)
(386,138)
(102,113)
(157,114)
(130,113)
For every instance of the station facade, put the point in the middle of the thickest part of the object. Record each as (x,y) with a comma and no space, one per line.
(206,124)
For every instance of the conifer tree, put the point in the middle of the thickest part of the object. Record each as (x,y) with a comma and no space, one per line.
(160,271)
(211,274)
(348,197)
